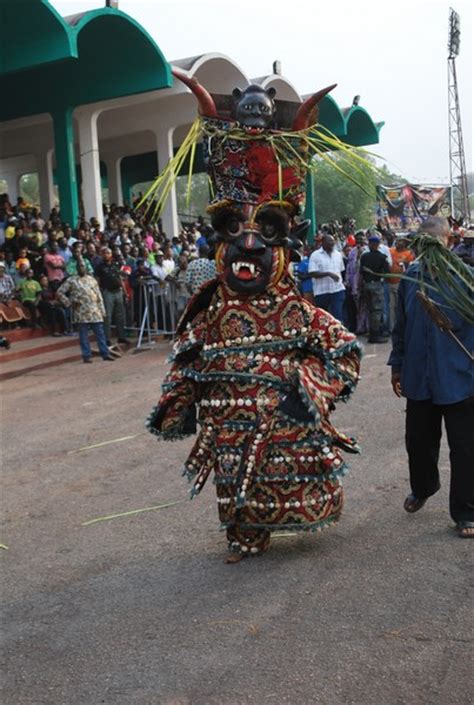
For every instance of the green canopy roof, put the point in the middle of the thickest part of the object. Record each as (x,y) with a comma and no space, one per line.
(48,63)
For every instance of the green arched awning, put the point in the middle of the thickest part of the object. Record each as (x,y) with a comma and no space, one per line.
(50,63)
(352,125)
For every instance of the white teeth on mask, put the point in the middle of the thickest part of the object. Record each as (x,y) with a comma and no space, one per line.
(237,266)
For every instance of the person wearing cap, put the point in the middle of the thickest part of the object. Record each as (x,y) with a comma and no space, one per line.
(465,248)
(373,265)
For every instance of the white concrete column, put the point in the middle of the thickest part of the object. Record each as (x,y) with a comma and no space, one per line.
(114,178)
(13,181)
(44,167)
(164,148)
(90,165)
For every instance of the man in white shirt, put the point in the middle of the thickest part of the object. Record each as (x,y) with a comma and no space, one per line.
(325,267)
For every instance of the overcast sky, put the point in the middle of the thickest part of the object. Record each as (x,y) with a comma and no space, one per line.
(393,54)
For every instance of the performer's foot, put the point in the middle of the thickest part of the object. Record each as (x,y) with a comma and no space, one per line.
(465,529)
(234,557)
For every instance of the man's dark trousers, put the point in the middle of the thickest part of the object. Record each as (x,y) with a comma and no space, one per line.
(423,436)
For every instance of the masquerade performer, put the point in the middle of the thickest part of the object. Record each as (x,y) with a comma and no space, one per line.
(259,365)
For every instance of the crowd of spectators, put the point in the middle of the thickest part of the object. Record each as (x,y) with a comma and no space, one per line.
(39,254)
(342,271)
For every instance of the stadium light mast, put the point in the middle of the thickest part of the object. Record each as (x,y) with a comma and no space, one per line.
(457,160)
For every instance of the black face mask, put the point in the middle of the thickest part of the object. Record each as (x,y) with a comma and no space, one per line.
(248,257)
(248,264)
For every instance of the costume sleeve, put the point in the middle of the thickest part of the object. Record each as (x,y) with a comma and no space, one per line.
(174,417)
(329,371)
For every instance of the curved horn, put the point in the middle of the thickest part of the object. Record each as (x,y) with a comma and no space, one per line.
(207,107)
(303,116)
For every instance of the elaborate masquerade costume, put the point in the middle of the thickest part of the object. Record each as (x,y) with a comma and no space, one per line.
(261,364)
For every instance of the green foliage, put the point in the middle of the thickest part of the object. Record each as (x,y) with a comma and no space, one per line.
(336,196)
(386,177)
(29,189)
(199,198)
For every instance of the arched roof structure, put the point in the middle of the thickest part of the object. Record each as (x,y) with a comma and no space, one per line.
(215,71)
(67,71)
(66,62)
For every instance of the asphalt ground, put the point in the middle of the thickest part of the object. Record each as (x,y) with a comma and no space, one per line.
(142,610)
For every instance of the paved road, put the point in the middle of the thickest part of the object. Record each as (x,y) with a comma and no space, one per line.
(142,610)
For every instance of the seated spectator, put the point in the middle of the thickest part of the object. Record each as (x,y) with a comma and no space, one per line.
(28,290)
(11,309)
(22,259)
(10,265)
(53,315)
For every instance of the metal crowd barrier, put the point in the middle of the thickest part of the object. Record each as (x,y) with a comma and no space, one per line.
(154,305)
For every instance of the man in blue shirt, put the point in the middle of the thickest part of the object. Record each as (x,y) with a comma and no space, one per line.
(436,376)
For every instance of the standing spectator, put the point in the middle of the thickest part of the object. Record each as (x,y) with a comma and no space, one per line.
(129,258)
(82,293)
(465,249)
(54,264)
(326,267)
(200,270)
(92,257)
(77,250)
(168,261)
(157,268)
(112,287)
(434,373)
(181,292)
(357,304)
(305,283)
(401,258)
(372,265)
(64,249)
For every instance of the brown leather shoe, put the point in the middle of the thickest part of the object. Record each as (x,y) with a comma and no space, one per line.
(412,504)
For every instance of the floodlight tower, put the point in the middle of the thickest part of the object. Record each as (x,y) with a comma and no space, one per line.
(457,160)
